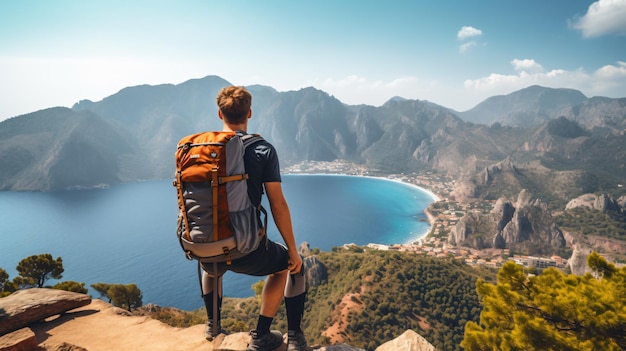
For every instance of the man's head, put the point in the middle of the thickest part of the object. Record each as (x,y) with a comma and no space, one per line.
(234,104)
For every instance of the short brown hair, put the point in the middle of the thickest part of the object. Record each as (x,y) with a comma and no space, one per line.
(234,102)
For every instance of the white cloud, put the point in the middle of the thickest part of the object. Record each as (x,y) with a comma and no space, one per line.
(603,17)
(527,65)
(468,32)
(609,80)
(467,46)
(610,77)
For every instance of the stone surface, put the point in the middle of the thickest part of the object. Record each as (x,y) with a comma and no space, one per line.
(31,305)
(578,262)
(339,347)
(19,340)
(525,225)
(98,326)
(66,347)
(603,202)
(409,341)
(316,271)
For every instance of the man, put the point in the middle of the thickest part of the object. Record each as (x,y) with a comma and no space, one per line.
(282,265)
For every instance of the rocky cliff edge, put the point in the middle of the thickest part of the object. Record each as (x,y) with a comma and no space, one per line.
(55,320)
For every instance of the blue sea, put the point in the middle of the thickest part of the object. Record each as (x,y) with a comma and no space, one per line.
(126,233)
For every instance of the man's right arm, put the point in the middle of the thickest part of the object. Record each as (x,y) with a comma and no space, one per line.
(282,218)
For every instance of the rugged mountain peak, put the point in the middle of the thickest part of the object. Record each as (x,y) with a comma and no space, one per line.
(523,108)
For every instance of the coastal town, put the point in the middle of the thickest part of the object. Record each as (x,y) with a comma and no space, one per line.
(443,220)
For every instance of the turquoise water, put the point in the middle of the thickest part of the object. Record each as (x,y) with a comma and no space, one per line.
(125,234)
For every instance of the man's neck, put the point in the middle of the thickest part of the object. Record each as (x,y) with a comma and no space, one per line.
(235,127)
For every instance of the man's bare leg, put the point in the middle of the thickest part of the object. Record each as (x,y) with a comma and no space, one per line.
(272,295)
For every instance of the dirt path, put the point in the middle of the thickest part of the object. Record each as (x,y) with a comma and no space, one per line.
(349,303)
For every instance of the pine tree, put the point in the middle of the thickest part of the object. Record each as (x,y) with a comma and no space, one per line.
(35,270)
(551,311)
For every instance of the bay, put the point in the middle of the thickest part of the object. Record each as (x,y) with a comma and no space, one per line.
(126,233)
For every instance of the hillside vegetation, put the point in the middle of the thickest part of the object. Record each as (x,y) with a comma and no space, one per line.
(455,307)
(371,297)
(393,292)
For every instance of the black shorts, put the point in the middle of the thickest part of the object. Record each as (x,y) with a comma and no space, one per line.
(268,258)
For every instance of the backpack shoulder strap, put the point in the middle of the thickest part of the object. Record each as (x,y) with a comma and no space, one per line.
(250,139)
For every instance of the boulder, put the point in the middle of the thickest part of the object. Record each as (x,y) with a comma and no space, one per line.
(585,200)
(339,347)
(408,341)
(64,346)
(504,211)
(578,261)
(304,250)
(622,202)
(31,305)
(603,202)
(606,203)
(316,271)
(20,340)
(235,341)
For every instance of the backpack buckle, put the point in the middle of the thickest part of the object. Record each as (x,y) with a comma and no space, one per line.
(227,254)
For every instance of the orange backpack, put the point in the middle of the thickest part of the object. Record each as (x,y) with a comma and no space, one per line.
(217,221)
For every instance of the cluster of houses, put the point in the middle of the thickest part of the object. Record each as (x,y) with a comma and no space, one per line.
(498,257)
(435,244)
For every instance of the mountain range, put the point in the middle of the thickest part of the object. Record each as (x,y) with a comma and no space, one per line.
(555,142)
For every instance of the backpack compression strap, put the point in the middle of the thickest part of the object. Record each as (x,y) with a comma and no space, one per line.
(178,183)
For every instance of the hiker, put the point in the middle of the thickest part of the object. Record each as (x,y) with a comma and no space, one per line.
(282,265)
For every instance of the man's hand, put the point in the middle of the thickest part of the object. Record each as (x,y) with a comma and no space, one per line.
(295,263)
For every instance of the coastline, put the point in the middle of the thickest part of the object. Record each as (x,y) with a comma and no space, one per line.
(427,191)
(433,196)
(390,178)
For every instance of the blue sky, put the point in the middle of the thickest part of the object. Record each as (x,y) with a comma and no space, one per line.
(453,53)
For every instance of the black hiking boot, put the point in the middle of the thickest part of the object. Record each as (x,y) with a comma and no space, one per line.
(267,342)
(296,341)
(208,331)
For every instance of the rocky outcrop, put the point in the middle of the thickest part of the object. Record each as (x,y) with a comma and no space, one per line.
(339,347)
(25,307)
(99,326)
(603,202)
(531,226)
(464,190)
(20,340)
(316,271)
(505,211)
(304,249)
(487,174)
(578,262)
(607,246)
(621,201)
(409,341)
(31,305)
(526,226)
